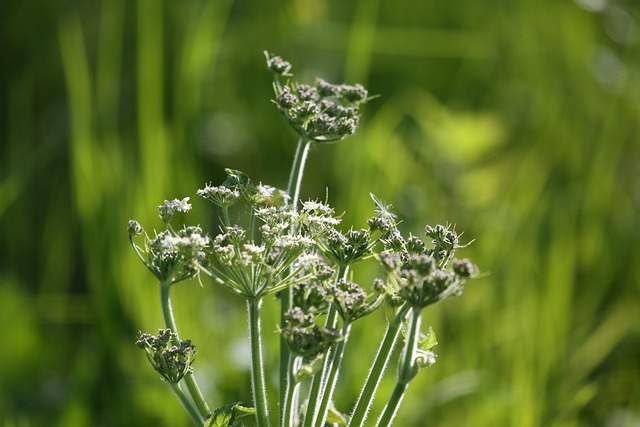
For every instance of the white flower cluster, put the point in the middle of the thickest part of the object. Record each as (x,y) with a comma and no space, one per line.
(168,209)
(219,195)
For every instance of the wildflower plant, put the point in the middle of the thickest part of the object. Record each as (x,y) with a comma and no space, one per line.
(297,251)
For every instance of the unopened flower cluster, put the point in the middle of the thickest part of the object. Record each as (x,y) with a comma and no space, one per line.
(423,275)
(305,337)
(169,356)
(323,111)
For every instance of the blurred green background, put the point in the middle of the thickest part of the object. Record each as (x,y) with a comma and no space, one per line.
(517,120)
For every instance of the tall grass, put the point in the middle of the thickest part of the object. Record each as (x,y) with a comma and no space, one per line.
(116,173)
(543,192)
(510,121)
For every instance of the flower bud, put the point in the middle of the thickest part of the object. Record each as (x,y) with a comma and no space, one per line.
(464,268)
(278,65)
(307,93)
(169,356)
(134,228)
(356,93)
(168,209)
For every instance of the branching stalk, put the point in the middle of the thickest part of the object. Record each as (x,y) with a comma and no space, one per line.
(332,378)
(365,399)
(318,379)
(406,371)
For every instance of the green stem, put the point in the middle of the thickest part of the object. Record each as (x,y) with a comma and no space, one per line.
(393,404)
(297,171)
(170,322)
(257,364)
(167,308)
(187,404)
(196,394)
(225,217)
(289,412)
(287,386)
(287,396)
(252,225)
(332,379)
(317,381)
(365,400)
(406,372)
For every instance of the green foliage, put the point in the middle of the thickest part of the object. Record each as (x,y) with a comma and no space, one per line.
(226,415)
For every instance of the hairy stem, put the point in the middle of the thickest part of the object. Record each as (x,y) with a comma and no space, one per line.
(365,399)
(406,371)
(289,411)
(170,322)
(318,379)
(332,378)
(187,404)
(392,406)
(258,385)
(287,396)
(287,385)
(196,394)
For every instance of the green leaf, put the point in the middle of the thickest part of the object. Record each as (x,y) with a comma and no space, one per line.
(425,341)
(239,181)
(225,415)
(242,411)
(278,198)
(308,370)
(336,417)
(428,341)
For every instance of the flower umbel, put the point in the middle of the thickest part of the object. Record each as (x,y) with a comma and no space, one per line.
(351,301)
(322,112)
(219,195)
(305,337)
(266,243)
(169,356)
(168,209)
(424,275)
(172,256)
